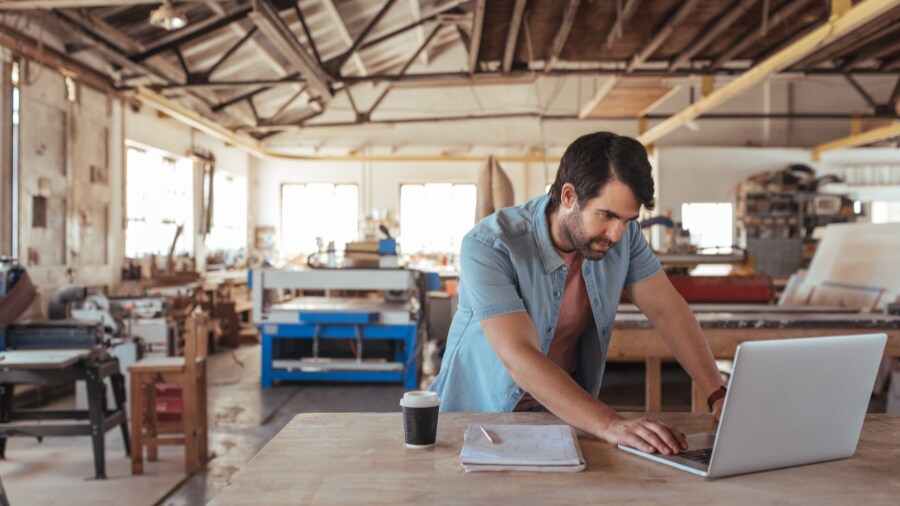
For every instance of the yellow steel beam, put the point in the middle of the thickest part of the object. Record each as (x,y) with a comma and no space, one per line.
(254,148)
(861,139)
(856,126)
(707,85)
(836,27)
(840,6)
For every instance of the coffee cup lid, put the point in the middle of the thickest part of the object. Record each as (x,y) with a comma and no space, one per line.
(420,399)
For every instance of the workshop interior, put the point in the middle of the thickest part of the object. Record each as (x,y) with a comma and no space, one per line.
(221,220)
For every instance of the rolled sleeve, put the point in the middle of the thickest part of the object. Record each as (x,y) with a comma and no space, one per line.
(488,279)
(642,262)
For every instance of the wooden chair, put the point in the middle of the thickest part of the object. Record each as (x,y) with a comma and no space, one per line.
(188,371)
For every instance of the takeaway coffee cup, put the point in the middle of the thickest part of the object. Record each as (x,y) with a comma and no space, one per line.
(420,417)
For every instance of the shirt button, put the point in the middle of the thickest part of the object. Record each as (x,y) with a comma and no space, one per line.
(556,293)
(518,391)
(549,329)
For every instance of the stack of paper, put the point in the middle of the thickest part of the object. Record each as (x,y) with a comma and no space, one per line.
(545,448)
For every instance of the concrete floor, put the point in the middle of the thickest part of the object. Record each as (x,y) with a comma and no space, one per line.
(244,417)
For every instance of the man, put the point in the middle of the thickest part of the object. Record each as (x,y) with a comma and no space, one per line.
(539,288)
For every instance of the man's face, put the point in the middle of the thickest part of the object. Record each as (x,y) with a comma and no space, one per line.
(599,225)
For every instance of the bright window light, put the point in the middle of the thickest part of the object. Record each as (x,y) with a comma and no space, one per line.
(434,217)
(159,196)
(229,227)
(885,212)
(711,224)
(325,210)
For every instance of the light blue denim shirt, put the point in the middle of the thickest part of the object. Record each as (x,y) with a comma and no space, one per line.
(508,265)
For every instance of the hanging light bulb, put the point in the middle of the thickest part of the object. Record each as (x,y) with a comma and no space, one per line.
(168,17)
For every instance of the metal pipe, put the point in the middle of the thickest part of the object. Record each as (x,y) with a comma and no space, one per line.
(59,302)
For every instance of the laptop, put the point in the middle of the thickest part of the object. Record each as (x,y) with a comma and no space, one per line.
(790,402)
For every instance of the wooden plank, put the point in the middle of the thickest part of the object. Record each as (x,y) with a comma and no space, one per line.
(653,384)
(360,458)
(629,96)
(635,345)
(765,309)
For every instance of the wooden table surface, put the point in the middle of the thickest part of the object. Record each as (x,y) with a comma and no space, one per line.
(41,359)
(354,458)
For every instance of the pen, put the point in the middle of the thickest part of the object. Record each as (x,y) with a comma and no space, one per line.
(485,432)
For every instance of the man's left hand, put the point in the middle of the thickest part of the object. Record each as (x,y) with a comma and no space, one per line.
(717,409)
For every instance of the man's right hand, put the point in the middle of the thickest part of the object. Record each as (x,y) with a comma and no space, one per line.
(646,435)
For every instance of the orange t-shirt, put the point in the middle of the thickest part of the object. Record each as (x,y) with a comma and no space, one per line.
(574,316)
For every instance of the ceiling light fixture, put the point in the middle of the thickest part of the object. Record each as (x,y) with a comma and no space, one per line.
(168,17)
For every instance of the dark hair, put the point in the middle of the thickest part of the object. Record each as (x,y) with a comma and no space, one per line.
(594,159)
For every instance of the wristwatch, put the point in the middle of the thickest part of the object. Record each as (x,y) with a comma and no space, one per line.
(715,396)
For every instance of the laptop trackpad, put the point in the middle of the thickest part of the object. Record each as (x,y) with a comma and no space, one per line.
(701,441)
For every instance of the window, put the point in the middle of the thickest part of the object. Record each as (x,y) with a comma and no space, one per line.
(14,201)
(885,212)
(159,196)
(711,224)
(434,217)
(229,226)
(325,210)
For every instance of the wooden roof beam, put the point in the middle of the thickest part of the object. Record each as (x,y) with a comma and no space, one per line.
(477,28)
(266,17)
(72,4)
(559,41)
(874,52)
(512,36)
(115,46)
(403,70)
(598,97)
(861,139)
(711,32)
(362,37)
(664,32)
(755,34)
(622,19)
(183,36)
(886,31)
(416,10)
(268,55)
(837,27)
(341,29)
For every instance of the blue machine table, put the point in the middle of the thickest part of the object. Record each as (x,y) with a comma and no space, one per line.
(323,321)
(359,320)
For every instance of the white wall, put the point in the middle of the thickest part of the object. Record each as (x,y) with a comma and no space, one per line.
(379,182)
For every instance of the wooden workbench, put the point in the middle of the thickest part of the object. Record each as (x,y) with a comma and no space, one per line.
(703,307)
(635,340)
(353,458)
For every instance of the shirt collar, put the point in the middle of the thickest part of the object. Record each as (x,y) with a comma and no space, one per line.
(549,258)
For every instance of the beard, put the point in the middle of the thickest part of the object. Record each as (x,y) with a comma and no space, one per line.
(591,248)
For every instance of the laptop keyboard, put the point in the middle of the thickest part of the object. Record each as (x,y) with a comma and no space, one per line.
(700,456)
